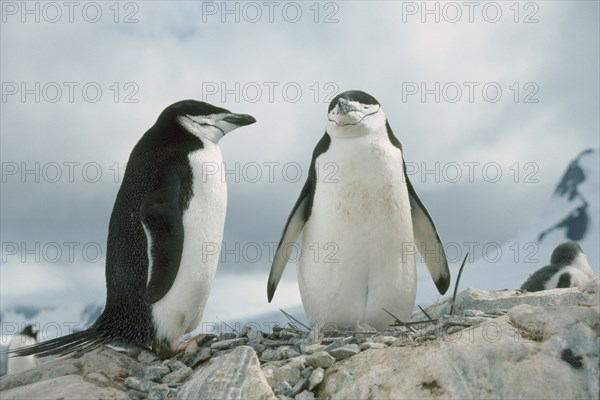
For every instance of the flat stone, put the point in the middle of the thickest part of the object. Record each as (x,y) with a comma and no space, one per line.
(178,376)
(387,340)
(254,336)
(156,372)
(136,395)
(69,387)
(320,359)
(229,344)
(306,395)
(201,356)
(287,374)
(159,392)
(147,357)
(138,384)
(498,358)
(176,365)
(344,352)
(372,345)
(283,388)
(235,375)
(315,378)
(310,349)
(270,355)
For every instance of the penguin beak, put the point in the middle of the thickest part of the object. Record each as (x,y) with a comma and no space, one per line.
(240,119)
(344,106)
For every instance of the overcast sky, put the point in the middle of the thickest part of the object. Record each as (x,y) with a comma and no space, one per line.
(487,89)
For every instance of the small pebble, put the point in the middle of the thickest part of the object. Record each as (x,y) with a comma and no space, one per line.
(254,336)
(227,336)
(201,356)
(283,388)
(158,392)
(371,345)
(306,395)
(178,376)
(176,365)
(135,394)
(228,344)
(138,384)
(287,374)
(156,372)
(136,369)
(147,357)
(320,359)
(270,355)
(387,340)
(311,348)
(344,352)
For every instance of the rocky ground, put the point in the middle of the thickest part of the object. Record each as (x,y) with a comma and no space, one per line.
(505,344)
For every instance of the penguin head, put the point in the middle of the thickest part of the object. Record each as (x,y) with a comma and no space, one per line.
(30,331)
(355,113)
(203,119)
(565,254)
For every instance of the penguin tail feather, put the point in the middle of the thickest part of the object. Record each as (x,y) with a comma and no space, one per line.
(76,342)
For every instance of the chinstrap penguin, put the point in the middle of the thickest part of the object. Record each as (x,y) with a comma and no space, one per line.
(27,337)
(568,267)
(157,276)
(362,222)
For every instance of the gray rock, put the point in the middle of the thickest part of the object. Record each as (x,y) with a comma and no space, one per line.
(387,340)
(113,365)
(372,345)
(136,395)
(500,358)
(287,374)
(178,376)
(310,349)
(285,352)
(229,344)
(344,352)
(235,375)
(138,384)
(254,336)
(201,356)
(283,389)
(136,369)
(69,387)
(306,395)
(176,365)
(320,359)
(156,372)
(316,377)
(476,299)
(270,355)
(159,392)
(97,378)
(147,357)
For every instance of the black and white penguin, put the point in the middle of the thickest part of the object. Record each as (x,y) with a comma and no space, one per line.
(168,207)
(363,223)
(568,267)
(27,337)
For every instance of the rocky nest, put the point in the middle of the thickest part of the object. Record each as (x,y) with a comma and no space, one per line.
(494,344)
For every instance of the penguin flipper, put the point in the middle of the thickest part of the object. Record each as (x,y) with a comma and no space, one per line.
(428,241)
(292,230)
(161,217)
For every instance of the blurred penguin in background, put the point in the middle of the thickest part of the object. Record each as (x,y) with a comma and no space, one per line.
(27,337)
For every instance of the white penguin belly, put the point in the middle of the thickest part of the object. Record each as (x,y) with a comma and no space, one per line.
(180,311)
(354,260)
(18,364)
